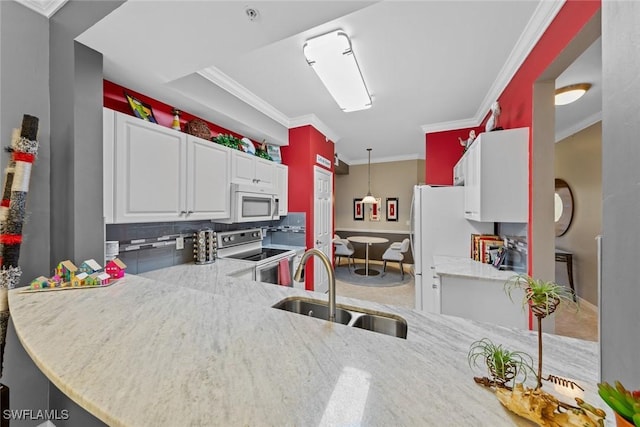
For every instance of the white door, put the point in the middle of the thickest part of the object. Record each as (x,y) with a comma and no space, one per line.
(322,224)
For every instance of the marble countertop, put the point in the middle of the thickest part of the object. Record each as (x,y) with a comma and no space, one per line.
(188,345)
(466,267)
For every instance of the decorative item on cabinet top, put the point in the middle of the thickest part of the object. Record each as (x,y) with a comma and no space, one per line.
(140,109)
(197,127)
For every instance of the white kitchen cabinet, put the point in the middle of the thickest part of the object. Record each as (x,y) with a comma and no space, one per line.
(459,171)
(481,299)
(248,169)
(282,188)
(208,180)
(474,290)
(164,175)
(497,177)
(108,163)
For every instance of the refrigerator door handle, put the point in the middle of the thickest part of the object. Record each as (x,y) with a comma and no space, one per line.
(413,228)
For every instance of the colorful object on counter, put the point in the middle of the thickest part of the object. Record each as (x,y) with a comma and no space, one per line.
(625,403)
(98,279)
(115,268)
(78,280)
(89,266)
(39,282)
(66,270)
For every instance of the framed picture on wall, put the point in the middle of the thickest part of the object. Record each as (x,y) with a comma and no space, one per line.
(392,209)
(358,210)
(140,109)
(375,210)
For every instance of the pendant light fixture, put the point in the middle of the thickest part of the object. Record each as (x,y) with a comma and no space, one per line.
(369,198)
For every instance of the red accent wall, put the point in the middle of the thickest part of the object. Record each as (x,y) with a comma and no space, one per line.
(516,101)
(305,143)
(443,150)
(113,96)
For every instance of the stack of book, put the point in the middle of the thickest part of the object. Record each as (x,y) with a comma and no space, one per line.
(485,247)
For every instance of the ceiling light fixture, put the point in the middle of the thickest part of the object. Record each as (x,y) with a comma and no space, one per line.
(568,94)
(369,198)
(332,58)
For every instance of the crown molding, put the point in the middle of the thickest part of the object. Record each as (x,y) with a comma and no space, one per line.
(313,120)
(383,159)
(583,124)
(544,14)
(452,125)
(43,7)
(542,17)
(217,77)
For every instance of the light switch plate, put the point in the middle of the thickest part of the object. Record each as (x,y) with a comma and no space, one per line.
(180,243)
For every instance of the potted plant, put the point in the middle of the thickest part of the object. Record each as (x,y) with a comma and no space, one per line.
(504,365)
(543,298)
(625,403)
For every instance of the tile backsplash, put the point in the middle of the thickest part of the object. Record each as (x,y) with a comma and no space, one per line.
(289,230)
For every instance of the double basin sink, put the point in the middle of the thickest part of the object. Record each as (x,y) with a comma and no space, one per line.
(384,323)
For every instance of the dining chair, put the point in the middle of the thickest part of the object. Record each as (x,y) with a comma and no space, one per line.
(342,247)
(395,253)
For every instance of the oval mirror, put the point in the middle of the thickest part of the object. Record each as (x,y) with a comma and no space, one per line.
(563,207)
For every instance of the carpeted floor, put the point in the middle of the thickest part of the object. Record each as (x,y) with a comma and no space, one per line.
(390,278)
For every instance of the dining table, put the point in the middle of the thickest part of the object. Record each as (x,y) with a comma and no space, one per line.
(367,241)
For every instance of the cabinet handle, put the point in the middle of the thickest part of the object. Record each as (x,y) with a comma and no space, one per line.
(189,213)
(467,212)
(183,212)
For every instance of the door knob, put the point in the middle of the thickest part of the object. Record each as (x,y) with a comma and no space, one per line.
(318,242)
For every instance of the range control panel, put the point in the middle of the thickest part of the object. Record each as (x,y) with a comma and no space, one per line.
(238,237)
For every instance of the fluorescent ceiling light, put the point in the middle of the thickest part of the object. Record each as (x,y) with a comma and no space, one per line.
(568,94)
(334,62)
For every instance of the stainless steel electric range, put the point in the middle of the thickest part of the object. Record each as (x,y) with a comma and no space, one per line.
(246,246)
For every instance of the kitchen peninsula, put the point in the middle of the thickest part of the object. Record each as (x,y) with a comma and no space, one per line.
(192,345)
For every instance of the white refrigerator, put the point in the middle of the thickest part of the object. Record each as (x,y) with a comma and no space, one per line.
(438,228)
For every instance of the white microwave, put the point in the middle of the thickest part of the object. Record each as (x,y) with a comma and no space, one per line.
(250,203)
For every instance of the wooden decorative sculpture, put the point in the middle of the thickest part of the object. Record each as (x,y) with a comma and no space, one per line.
(535,404)
(24,148)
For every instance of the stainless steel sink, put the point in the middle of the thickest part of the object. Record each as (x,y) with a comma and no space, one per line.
(313,308)
(384,323)
(387,324)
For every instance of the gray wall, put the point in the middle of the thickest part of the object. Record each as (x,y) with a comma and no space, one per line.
(24,89)
(76,134)
(620,297)
(76,141)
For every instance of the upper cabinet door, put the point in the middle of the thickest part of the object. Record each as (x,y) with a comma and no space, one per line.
(243,168)
(149,172)
(497,181)
(208,172)
(265,174)
(248,169)
(108,162)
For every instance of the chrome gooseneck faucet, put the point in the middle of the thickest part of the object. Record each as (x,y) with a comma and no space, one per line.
(332,277)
